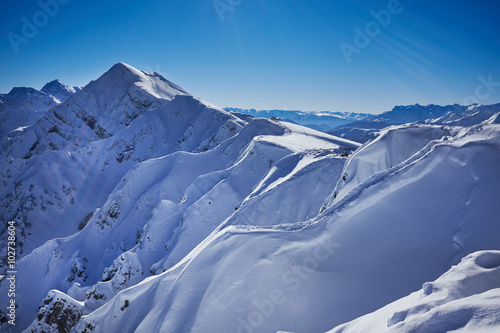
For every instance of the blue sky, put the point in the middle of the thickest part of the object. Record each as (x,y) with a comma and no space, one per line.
(274,54)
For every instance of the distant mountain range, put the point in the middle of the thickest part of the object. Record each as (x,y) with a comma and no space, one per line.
(322,121)
(362,127)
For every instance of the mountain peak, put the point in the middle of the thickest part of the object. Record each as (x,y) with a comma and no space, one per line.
(122,68)
(53,83)
(57,86)
(122,78)
(58,89)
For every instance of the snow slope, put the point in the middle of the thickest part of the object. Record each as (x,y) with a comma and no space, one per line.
(81,148)
(126,177)
(179,200)
(361,253)
(464,299)
(392,147)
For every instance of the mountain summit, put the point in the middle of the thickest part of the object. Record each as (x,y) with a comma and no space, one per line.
(58,89)
(125,79)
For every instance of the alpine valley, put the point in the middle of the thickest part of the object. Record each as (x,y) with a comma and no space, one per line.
(138,207)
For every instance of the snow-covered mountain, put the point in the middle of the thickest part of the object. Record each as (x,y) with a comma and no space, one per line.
(361,127)
(451,115)
(59,90)
(22,106)
(457,115)
(140,208)
(127,176)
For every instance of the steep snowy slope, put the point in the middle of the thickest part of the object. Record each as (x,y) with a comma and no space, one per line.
(162,210)
(146,172)
(384,240)
(53,193)
(64,167)
(464,299)
(392,147)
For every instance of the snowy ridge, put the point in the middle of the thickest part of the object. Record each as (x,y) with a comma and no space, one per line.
(140,208)
(318,262)
(145,171)
(162,243)
(395,148)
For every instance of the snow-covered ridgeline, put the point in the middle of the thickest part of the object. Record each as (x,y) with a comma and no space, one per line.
(170,214)
(144,190)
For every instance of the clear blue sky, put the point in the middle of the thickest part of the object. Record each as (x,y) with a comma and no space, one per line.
(267,54)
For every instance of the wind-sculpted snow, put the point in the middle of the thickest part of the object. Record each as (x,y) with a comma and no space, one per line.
(312,173)
(400,231)
(391,148)
(159,212)
(464,299)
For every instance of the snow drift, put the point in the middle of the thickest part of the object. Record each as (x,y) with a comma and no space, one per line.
(464,299)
